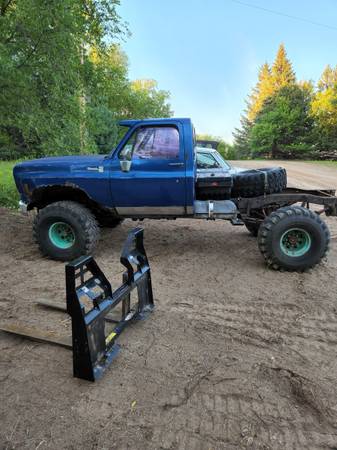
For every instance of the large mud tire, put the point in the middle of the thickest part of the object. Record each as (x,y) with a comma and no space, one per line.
(65,230)
(256,182)
(293,238)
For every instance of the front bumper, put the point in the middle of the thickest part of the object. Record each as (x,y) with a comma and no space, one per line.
(23,207)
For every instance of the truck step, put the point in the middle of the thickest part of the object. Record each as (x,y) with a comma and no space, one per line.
(215,209)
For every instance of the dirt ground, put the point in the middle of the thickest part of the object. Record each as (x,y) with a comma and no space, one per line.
(235,356)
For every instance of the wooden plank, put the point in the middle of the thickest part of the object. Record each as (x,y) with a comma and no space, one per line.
(36,334)
(51,304)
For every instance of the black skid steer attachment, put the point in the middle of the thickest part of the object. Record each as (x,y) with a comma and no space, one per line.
(92,306)
(93,348)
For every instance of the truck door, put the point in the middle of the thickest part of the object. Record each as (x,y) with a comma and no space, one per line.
(155,183)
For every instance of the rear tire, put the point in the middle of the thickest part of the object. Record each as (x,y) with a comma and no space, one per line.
(293,238)
(65,230)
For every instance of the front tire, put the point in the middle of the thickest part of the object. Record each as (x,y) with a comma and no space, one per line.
(65,230)
(293,238)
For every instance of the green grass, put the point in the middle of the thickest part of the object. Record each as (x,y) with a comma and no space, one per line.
(9,196)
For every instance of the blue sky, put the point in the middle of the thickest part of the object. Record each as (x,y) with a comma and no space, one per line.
(207,53)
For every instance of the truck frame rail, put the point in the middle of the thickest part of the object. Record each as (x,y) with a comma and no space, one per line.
(248,207)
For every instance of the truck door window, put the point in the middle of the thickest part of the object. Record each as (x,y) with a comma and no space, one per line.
(152,143)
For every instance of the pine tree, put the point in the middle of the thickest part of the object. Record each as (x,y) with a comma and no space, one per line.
(241,138)
(282,72)
(270,81)
(328,78)
(261,92)
(284,128)
(263,89)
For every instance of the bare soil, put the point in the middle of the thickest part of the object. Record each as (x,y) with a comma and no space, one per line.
(235,355)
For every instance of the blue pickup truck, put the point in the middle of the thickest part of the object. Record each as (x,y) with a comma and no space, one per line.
(152,174)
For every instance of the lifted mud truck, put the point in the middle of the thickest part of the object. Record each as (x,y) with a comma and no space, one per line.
(152,174)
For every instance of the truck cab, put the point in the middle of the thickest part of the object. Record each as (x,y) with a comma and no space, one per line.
(153,169)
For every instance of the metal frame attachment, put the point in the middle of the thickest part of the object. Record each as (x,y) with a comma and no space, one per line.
(89,302)
(93,350)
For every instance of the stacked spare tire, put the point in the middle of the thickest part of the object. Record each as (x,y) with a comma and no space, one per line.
(256,182)
(248,183)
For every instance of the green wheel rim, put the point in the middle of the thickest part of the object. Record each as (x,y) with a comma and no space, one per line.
(61,235)
(295,242)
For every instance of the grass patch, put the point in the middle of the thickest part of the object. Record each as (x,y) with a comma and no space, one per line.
(9,195)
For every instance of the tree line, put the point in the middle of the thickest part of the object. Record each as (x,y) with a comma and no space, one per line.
(289,119)
(64,82)
(64,85)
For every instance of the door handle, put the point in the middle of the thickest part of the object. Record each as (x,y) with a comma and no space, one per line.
(96,169)
(180,164)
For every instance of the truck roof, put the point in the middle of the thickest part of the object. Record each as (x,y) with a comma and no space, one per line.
(133,122)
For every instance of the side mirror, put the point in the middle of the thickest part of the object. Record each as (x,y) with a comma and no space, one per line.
(125,165)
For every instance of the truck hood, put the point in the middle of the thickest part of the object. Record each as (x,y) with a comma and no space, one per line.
(57,162)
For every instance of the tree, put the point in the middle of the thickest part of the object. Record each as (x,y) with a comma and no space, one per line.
(64,81)
(242,138)
(107,92)
(146,100)
(263,90)
(324,112)
(282,73)
(111,96)
(328,79)
(223,147)
(270,81)
(42,56)
(284,127)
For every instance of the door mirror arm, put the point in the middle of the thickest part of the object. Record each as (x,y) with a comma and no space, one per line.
(125,165)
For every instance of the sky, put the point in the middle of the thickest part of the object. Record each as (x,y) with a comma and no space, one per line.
(207,52)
